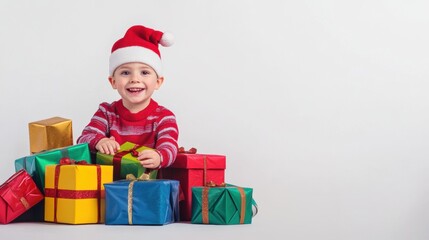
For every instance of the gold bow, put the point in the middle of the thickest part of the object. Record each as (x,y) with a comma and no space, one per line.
(213,184)
(133,179)
(143,177)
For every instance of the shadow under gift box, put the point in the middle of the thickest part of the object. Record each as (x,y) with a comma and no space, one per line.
(17,195)
(150,202)
(194,170)
(74,194)
(223,205)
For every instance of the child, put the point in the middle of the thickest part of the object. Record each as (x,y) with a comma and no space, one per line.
(135,72)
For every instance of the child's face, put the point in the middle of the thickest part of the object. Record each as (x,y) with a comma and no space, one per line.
(135,82)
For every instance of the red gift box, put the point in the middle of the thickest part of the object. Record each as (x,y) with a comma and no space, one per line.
(194,170)
(18,194)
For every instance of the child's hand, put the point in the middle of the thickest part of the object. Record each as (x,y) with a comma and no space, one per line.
(108,146)
(149,158)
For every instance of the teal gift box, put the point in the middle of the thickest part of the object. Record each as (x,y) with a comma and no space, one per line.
(222,205)
(142,202)
(35,164)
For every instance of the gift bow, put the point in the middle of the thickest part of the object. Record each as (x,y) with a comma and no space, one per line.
(68,161)
(213,184)
(133,179)
(143,177)
(117,158)
(191,150)
(134,151)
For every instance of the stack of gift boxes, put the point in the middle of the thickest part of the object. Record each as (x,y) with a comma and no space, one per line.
(62,183)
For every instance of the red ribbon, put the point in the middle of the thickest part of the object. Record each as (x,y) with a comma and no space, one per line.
(72,194)
(68,161)
(190,151)
(117,160)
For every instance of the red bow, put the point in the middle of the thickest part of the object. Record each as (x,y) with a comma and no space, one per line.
(134,151)
(191,151)
(68,161)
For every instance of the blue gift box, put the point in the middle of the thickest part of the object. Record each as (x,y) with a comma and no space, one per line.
(150,202)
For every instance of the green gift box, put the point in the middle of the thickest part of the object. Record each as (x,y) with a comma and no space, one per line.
(222,205)
(125,161)
(35,164)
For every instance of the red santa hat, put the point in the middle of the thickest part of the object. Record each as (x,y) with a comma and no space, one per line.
(139,44)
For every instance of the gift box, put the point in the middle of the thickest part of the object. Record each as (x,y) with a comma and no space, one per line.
(17,195)
(35,164)
(50,133)
(74,194)
(194,170)
(125,161)
(223,205)
(137,202)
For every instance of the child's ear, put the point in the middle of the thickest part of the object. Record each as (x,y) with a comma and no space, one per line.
(112,82)
(159,82)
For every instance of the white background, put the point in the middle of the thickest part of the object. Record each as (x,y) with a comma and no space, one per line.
(320,106)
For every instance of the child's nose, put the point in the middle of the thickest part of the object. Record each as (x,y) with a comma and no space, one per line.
(134,78)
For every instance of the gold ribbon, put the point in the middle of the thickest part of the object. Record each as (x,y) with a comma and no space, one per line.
(205,205)
(133,179)
(243,204)
(25,203)
(143,177)
(213,184)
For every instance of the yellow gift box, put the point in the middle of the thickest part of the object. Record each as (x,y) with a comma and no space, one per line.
(74,194)
(50,133)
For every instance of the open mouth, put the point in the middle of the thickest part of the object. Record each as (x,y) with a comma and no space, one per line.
(135,90)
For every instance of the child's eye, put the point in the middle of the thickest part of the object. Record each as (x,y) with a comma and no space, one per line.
(125,72)
(144,72)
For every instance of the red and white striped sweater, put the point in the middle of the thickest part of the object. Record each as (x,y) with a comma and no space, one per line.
(153,127)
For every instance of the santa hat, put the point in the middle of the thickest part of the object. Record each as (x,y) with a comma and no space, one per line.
(139,44)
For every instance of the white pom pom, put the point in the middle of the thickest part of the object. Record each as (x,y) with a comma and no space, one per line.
(167,39)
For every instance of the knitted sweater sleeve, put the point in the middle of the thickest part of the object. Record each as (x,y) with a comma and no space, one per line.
(97,128)
(167,136)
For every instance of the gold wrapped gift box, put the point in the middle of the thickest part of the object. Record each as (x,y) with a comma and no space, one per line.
(50,133)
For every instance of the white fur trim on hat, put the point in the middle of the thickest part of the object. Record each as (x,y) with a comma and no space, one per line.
(135,54)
